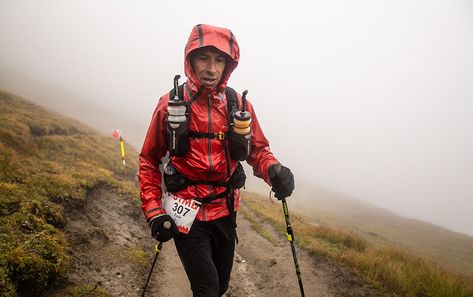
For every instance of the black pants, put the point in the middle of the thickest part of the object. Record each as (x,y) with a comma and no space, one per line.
(207,256)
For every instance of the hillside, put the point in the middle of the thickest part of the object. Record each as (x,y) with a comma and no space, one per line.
(392,268)
(48,164)
(71,226)
(378,225)
(324,206)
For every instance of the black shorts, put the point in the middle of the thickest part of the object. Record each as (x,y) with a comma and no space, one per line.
(207,255)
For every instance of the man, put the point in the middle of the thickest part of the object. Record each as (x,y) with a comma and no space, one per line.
(206,249)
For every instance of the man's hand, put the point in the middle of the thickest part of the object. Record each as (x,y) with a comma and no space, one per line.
(282,180)
(163,228)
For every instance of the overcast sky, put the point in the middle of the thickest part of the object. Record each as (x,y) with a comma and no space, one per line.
(370,98)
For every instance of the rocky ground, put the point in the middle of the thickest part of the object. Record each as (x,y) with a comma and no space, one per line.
(108,235)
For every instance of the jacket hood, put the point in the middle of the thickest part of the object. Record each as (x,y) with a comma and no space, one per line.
(220,38)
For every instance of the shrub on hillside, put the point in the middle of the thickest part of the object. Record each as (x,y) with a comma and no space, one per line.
(35,262)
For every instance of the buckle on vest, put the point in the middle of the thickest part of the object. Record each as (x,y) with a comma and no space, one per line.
(220,135)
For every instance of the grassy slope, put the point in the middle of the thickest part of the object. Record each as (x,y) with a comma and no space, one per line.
(47,162)
(392,269)
(378,225)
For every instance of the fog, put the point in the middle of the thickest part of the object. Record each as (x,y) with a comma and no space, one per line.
(370,98)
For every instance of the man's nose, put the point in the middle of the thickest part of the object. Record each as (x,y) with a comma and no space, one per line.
(212,66)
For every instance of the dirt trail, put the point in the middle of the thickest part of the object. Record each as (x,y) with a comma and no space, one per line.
(109,231)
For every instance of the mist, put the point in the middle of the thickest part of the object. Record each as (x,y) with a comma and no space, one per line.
(369,98)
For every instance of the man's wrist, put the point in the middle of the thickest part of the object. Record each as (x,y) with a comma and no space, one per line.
(155,217)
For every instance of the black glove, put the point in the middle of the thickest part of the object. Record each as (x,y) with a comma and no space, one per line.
(161,230)
(282,180)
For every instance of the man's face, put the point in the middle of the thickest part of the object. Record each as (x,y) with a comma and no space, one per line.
(208,64)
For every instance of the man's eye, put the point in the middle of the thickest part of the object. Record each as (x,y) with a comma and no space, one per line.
(202,58)
(221,59)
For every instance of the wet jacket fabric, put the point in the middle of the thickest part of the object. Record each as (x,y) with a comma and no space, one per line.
(207,159)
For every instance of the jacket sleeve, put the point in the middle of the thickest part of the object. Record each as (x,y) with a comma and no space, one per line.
(260,157)
(154,148)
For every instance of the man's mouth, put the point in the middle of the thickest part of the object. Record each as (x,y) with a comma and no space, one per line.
(209,80)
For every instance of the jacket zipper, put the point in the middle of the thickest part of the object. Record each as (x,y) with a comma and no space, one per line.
(209,116)
(225,142)
(209,140)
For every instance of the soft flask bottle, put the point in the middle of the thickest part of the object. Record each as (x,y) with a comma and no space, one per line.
(240,132)
(177,123)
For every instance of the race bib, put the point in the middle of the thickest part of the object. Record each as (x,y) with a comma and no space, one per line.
(183,211)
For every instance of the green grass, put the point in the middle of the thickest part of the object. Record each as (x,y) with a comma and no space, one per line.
(266,234)
(394,270)
(379,226)
(136,256)
(46,163)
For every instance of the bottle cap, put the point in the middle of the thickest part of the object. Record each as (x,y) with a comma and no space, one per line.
(242,115)
(176,103)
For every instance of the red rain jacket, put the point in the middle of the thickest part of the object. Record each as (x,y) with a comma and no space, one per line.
(206,158)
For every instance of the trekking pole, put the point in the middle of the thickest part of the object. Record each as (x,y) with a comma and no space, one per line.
(166,225)
(290,237)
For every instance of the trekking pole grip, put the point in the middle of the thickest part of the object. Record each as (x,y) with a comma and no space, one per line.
(167,225)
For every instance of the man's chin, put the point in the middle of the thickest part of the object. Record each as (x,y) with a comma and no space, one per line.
(211,86)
